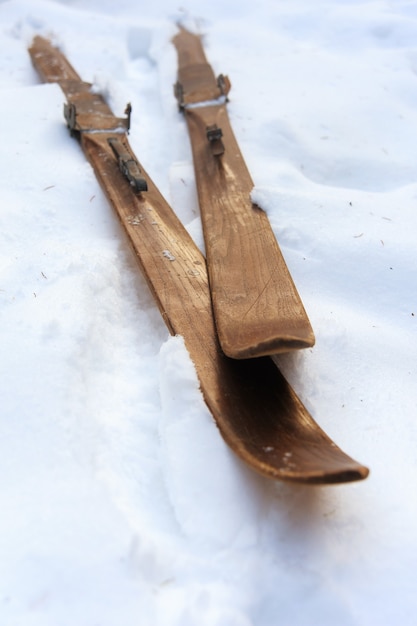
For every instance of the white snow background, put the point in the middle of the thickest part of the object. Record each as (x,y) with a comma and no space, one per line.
(120,504)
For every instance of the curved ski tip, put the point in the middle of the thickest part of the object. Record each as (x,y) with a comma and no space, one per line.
(235,348)
(331,478)
(348,474)
(327,472)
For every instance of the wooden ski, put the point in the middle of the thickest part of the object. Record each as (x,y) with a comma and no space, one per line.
(256,410)
(256,305)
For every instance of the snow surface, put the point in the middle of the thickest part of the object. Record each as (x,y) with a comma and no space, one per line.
(120,503)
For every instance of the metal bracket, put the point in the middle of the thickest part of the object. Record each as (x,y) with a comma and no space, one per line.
(214,135)
(216,88)
(128,165)
(128,113)
(70,114)
(224,84)
(179,94)
(82,118)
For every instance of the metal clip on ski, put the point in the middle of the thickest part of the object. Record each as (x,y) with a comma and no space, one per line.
(214,135)
(86,111)
(200,86)
(179,95)
(224,84)
(128,165)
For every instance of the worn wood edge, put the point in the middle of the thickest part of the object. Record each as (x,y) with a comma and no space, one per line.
(52,68)
(283,345)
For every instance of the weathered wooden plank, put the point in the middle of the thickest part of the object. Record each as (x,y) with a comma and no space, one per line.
(256,410)
(257,308)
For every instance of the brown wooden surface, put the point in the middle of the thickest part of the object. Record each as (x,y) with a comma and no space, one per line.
(257,308)
(51,65)
(256,410)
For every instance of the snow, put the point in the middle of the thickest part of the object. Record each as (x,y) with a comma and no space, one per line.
(120,502)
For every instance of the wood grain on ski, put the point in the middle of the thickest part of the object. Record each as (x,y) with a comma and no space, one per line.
(257,308)
(256,410)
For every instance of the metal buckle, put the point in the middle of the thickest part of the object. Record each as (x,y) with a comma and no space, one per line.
(128,165)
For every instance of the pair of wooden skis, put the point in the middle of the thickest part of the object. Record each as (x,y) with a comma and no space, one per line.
(246,306)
